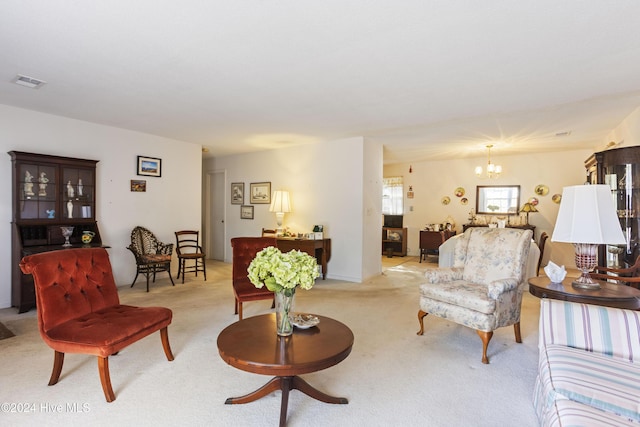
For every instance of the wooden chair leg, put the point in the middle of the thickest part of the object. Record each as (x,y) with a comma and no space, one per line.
(485,337)
(421,315)
(164,336)
(235,311)
(135,278)
(105,379)
(239,310)
(58,360)
(516,329)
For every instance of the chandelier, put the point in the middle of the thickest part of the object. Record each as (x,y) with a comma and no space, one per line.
(493,171)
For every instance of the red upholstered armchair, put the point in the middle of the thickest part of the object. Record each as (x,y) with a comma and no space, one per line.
(79,310)
(244,251)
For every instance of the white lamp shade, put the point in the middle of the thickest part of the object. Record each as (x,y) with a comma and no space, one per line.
(587,215)
(280,202)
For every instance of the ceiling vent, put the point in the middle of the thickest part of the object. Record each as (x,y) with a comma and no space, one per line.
(28,81)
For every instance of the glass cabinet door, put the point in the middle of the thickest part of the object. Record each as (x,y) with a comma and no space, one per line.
(624,180)
(77,193)
(36,192)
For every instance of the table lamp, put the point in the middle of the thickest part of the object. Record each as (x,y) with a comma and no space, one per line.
(280,204)
(587,218)
(528,207)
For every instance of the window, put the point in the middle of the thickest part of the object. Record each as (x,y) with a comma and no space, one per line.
(392,196)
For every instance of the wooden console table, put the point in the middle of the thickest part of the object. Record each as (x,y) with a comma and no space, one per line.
(321,249)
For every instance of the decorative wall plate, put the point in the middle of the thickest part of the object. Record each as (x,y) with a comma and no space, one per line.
(445,200)
(459,192)
(464,201)
(557,198)
(541,190)
(534,201)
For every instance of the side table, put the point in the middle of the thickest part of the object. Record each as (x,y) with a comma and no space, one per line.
(609,295)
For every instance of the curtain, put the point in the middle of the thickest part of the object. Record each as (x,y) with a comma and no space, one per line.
(392,196)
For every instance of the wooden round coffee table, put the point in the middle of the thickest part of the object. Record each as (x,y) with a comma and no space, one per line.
(609,295)
(252,345)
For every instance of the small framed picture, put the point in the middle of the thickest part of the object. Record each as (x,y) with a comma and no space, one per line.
(149,166)
(237,193)
(139,186)
(260,193)
(246,212)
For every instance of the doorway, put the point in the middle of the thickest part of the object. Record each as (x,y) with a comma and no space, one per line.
(215,215)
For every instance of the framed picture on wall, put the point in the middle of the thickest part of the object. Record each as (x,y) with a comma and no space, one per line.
(237,193)
(246,212)
(260,192)
(149,166)
(139,186)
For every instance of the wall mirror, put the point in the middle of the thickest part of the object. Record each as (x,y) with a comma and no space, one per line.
(497,199)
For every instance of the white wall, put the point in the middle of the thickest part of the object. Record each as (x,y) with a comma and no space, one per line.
(434,180)
(372,209)
(627,133)
(172,202)
(325,181)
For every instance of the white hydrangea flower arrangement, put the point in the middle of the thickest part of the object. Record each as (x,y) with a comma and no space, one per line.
(283,272)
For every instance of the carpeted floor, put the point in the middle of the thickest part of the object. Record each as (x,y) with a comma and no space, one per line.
(392,376)
(5,332)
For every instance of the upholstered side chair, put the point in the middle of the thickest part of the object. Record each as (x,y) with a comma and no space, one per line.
(483,290)
(244,251)
(79,310)
(152,256)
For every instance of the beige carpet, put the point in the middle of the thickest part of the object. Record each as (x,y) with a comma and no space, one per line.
(5,332)
(392,377)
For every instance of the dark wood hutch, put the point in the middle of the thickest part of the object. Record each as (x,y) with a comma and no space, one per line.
(619,168)
(48,192)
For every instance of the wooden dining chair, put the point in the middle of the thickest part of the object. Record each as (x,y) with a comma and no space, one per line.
(188,250)
(629,276)
(541,244)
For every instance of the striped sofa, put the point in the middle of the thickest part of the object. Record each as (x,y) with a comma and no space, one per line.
(586,373)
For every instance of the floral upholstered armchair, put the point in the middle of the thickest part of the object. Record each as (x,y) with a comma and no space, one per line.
(483,290)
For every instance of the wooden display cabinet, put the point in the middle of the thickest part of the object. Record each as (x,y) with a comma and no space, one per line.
(394,241)
(620,170)
(49,192)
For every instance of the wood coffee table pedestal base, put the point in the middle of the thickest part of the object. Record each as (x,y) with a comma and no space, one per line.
(253,346)
(286,384)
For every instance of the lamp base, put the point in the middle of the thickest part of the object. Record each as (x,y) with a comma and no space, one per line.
(585,261)
(585,282)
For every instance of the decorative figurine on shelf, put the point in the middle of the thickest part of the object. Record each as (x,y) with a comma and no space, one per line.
(43,184)
(80,187)
(70,191)
(28,184)
(51,213)
(69,209)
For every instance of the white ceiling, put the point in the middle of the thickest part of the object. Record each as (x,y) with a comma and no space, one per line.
(428,79)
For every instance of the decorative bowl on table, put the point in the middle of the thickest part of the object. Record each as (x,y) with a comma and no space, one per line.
(304,321)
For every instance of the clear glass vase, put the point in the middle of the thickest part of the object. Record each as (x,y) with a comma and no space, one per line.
(284,305)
